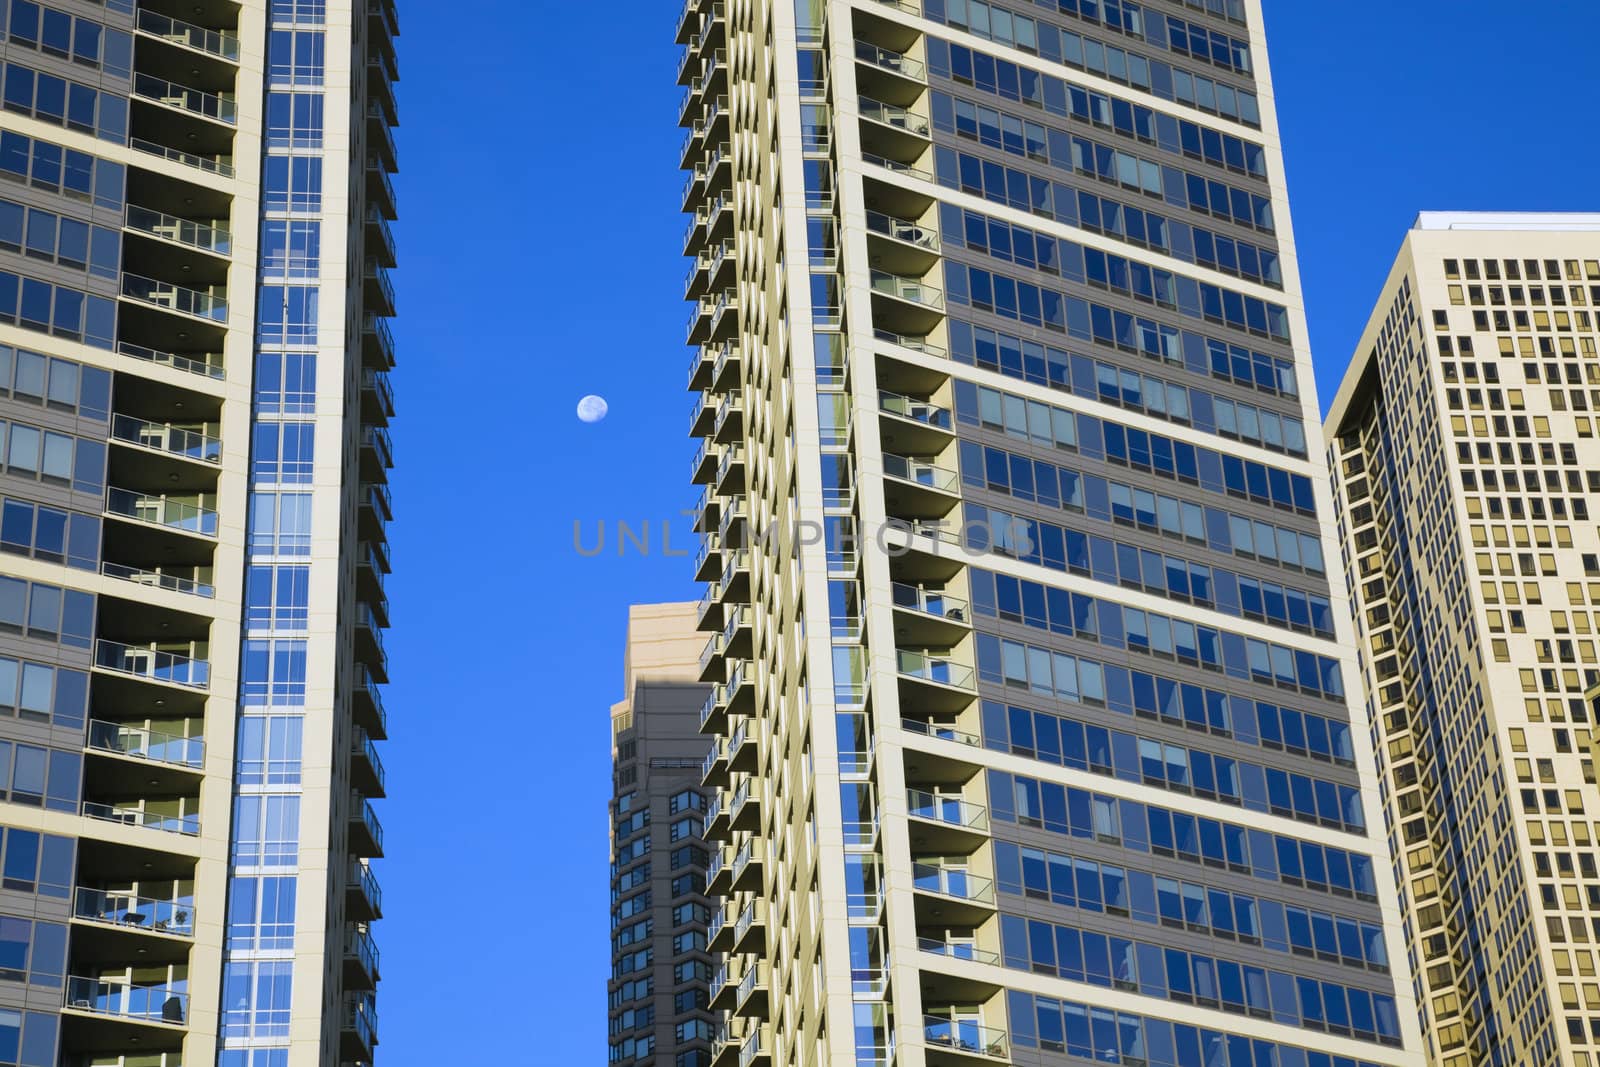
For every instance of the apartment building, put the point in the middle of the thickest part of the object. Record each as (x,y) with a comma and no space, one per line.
(1463,448)
(1031,685)
(659,995)
(195,202)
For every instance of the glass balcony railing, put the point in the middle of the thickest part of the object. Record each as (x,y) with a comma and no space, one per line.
(194,101)
(958,950)
(941,732)
(923,411)
(209,366)
(929,602)
(219,43)
(900,64)
(378,273)
(137,741)
(914,470)
(200,235)
(160,511)
(175,298)
(164,437)
(158,579)
(365,882)
(127,911)
(911,344)
(894,115)
(154,1003)
(951,882)
(965,1036)
(908,289)
(751,1048)
(934,669)
(151,664)
(358,945)
(361,812)
(219,165)
(910,232)
(361,1017)
(952,811)
(173,823)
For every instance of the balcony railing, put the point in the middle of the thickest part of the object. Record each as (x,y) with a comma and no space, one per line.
(361,811)
(378,273)
(909,289)
(965,1036)
(929,602)
(188,825)
(894,115)
(137,741)
(164,437)
(359,945)
(175,298)
(910,232)
(209,367)
(149,663)
(361,744)
(132,912)
(951,882)
(161,1003)
(934,669)
(219,43)
(900,64)
(200,235)
(183,98)
(952,811)
(365,881)
(958,950)
(913,470)
(941,732)
(158,580)
(923,411)
(219,165)
(160,511)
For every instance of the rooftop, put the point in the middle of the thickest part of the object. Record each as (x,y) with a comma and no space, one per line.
(1515,221)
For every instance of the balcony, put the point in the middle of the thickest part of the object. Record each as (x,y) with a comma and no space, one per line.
(750,932)
(379,289)
(152,665)
(746,868)
(755,1051)
(714,769)
(367,704)
(161,511)
(714,712)
(730,417)
(175,298)
(141,743)
(952,895)
(360,957)
(944,824)
(377,396)
(742,749)
(358,1034)
(911,71)
(377,343)
(363,895)
(958,950)
(205,236)
(959,1042)
(146,817)
(711,665)
(167,439)
(369,642)
(159,579)
(138,1010)
(366,769)
(909,424)
(900,246)
(208,365)
(380,188)
(730,470)
(222,44)
(366,833)
(744,810)
(377,453)
(918,489)
(929,616)
(213,106)
(751,998)
(905,305)
(934,682)
(893,132)
(379,238)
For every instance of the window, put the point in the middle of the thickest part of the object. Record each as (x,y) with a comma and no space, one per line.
(288,315)
(294,120)
(280,524)
(296,57)
(255,999)
(269,749)
(286,383)
(277,597)
(261,913)
(266,831)
(274,673)
(291,249)
(292,184)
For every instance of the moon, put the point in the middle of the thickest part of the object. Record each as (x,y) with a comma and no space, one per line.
(592,408)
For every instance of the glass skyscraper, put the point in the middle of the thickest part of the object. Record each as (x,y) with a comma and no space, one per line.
(1035,739)
(194,296)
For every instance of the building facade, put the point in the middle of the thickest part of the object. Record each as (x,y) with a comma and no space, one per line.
(1463,448)
(1030,680)
(194,243)
(658,998)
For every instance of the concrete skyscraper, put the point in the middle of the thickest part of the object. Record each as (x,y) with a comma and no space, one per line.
(1463,443)
(659,994)
(194,294)
(1030,684)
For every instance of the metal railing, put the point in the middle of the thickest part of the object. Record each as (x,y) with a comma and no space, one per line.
(895,61)
(175,298)
(894,115)
(951,882)
(910,232)
(144,743)
(194,101)
(921,473)
(161,511)
(188,825)
(933,669)
(929,601)
(952,811)
(200,235)
(923,411)
(209,367)
(942,733)
(958,950)
(965,1036)
(219,43)
(219,165)
(158,580)
(165,437)
(909,289)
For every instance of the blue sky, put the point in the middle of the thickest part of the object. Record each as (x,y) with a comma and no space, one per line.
(540,243)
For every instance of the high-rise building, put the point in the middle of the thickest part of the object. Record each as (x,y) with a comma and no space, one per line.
(658,997)
(1030,705)
(194,291)
(1463,447)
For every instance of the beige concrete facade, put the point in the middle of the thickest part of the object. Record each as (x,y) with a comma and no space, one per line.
(227,719)
(1463,445)
(872,806)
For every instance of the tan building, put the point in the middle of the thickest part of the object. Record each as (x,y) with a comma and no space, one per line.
(194,296)
(657,1000)
(1030,677)
(1464,450)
